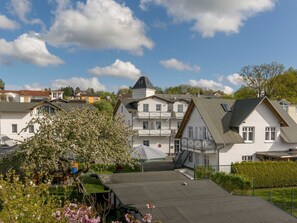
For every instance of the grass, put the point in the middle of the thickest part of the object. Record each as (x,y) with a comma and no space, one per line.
(284,198)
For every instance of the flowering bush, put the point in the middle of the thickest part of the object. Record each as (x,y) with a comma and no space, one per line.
(73,213)
(21,201)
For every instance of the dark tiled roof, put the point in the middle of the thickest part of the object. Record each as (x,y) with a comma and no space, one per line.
(16,106)
(180,200)
(143,82)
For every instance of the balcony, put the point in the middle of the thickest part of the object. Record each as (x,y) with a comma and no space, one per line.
(154,132)
(178,115)
(200,145)
(154,115)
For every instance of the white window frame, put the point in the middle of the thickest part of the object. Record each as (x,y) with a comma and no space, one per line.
(190,132)
(14,128)
(270,134)
(248,134)
(31,128)
(145,125)
(180,108)
(159,107)
(158,125)
(145,107)
(247,159)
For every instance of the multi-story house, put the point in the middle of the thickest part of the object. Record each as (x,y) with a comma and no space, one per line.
(15,116)
(154,117)
(218,132)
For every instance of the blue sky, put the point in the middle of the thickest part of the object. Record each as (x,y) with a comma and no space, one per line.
(106,44)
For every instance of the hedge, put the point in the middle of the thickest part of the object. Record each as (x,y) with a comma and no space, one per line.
(269,174)
(230,182)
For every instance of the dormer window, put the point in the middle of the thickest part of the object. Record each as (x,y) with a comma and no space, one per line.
(180,108)
(285,105)
(158,107)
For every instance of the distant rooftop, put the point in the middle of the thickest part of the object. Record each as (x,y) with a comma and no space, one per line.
(143,82)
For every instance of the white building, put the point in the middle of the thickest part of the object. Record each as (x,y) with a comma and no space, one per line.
(218,132)
(154,117)
(15,116)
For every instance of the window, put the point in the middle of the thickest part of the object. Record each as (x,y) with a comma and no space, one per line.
(145,125)
(269,133)
(180,108)
(145,107)
(14,128)
(31,128)
(190,132)
(247,158)
(248,134)
(158,107)
(146,142)
(176,146)
(203,133)
(178,125)
(196,132)
(158,125)
(54,95)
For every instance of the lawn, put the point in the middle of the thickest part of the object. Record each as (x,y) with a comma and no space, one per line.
(284,198)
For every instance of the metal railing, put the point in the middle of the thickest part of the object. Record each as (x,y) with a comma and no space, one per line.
(154,132)
(198,144)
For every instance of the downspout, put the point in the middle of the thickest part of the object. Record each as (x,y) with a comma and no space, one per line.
(218,152)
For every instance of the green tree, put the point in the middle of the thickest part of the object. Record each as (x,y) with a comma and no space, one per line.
(261,78)
(68,91)
(2,84)
(83,135)
(104,106)
(286,86)
(245,92)
(174,90)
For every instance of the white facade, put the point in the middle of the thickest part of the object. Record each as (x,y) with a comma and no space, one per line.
(142,93)
(261,124)
(11,124)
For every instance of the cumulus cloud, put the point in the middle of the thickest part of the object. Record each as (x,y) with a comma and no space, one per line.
(6,23)
(98,24)
(212,16)
(28,48)
(235,79)
(179,65)
(21,8)
(34,86)
(82,83)
(118,69)
(210,84)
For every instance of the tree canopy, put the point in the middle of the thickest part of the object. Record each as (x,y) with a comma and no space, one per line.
(84,135)
(2,84)
(261,78)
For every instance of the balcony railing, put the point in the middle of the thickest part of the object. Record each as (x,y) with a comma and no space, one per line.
(178,115)
(198,144)
(154,132)
(154,115)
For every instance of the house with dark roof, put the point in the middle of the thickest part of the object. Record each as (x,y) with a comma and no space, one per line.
(154,117)
(218,132)
(15,116)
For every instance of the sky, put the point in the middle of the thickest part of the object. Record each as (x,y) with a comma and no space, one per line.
(107,45)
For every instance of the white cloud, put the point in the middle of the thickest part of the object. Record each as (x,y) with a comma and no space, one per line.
(210,84)
(212,16)
(82,83)
(99,24)
(179,65)
(235,79)
(118,69)
(21,8)
(34,86)
(6,23)
(28,48)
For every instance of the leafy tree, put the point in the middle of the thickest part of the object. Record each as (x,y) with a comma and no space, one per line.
(2,84)
(194,90)
(245,92)
(285,87)
(174,90)
(80,135)
(77,90)
(123,91)
(159,90)
(261,77)
(104,106)
(68,92)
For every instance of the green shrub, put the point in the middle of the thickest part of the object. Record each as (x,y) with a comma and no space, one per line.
(203,172)
(268,174)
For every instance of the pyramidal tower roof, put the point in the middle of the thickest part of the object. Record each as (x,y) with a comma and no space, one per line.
(143,82)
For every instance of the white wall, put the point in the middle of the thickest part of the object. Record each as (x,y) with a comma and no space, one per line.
(292,111)
(154,142)
(142,93)
(152,104)
(20,119)
(181,102)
